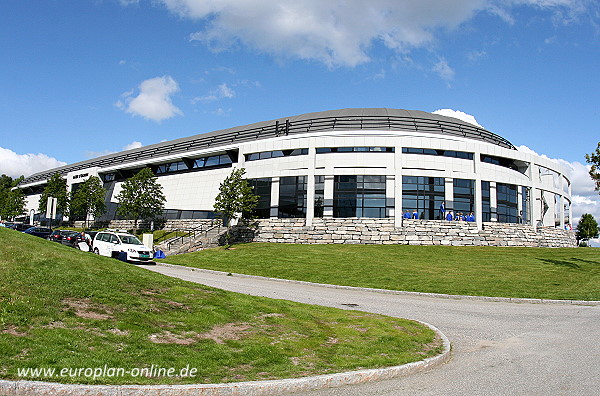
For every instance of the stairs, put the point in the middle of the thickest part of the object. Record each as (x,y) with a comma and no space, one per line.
(198,239)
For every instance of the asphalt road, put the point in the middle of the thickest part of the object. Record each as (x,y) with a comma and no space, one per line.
(498,348)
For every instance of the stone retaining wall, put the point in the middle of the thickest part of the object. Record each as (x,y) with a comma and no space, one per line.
(169,225)
(412,232)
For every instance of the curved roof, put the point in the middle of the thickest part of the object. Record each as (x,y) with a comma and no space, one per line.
(343,119)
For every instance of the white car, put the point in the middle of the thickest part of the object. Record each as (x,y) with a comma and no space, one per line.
(112,243)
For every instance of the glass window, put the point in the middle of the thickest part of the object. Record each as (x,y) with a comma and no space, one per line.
(567,208)
(557,210)
(324,150)
(262,188)
(506,203)
(486,211)
(443,153)
(423,195)
(525,202)
(359,196)
(319,195)
(212,161)
(500,161)
(464,196)
(292,196)
(109,177)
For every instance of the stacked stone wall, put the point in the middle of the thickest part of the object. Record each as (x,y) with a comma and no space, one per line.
(412,232)
(169,225)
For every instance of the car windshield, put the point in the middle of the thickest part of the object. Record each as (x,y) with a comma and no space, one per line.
(130,239)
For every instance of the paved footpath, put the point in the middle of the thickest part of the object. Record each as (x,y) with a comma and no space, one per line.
(499,348)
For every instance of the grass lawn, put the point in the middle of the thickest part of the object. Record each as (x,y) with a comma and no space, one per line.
(66,309)
(569,273)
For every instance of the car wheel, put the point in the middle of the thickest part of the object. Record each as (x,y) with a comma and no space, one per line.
(96,251)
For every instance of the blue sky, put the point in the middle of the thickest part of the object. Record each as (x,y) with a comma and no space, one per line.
(82,78)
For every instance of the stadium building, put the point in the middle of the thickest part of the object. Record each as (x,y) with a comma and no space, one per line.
(341,164)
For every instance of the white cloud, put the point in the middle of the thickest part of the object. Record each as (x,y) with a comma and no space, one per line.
(133,145)
(130,146)
(458,114)
(584,198)
(153,101)
(223,91)
(15,165)
(444,70)
(340,33)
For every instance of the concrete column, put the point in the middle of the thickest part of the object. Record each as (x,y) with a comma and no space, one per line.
(390,204)
(562,201)
(449,194)
(493,202)
(478,204)
(398,186)
(328,196)
(310,187)
(520,203)
(274,197)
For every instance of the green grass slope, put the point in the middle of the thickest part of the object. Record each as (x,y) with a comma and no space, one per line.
(569,273)
(70,311)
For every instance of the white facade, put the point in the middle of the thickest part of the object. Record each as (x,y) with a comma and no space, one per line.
(489,164)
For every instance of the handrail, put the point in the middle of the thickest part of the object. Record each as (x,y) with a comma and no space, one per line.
(191,233)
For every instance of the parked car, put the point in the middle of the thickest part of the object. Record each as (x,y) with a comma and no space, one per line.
(91,234)
(74,239)
(21,227)
(120,244)
(41,232)
(58,235)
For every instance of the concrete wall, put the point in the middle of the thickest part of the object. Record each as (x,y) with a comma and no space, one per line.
(412,232)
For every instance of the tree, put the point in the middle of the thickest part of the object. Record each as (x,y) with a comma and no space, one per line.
(13,204)
(235,199)
(594,160)
(141,197)
(57,188)
(587,228)
(88,199)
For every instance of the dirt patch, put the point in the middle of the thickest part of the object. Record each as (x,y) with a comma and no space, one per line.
(331,341)
(84,308)
(228,331)
(12,330)
(55,325)
(167,337)
(118,332)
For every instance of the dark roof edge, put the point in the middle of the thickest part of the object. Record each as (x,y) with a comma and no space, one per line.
(432,123)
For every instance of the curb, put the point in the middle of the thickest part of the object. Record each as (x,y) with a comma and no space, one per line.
(400,292)
(250,388)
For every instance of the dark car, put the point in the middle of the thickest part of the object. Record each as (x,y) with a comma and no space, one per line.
(41,232)
(58,235)
(21,227)
(73,238)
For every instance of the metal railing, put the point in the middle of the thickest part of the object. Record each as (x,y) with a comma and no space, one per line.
(191,234)
(284,127)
